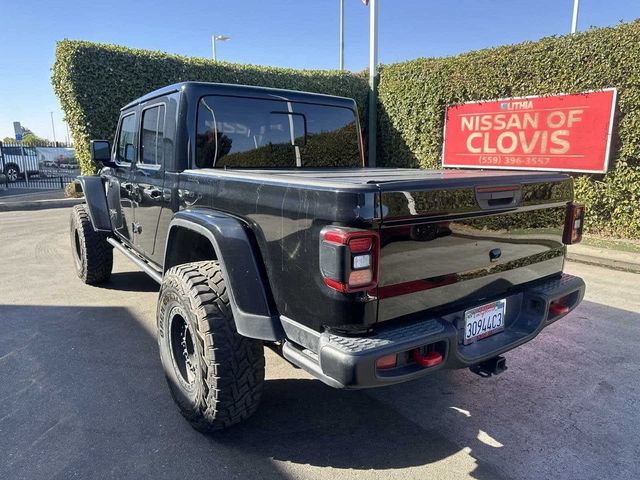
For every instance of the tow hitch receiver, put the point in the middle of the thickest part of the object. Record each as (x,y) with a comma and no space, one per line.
(493,366)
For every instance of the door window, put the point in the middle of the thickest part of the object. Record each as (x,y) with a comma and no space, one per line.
(152,136)
(126,151)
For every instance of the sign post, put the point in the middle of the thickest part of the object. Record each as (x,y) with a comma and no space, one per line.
(574,18)
(555,133)
(341,34)
(17,128)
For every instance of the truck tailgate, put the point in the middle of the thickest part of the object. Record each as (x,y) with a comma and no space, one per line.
(467,236)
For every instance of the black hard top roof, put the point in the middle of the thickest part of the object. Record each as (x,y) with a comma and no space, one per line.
(199,89)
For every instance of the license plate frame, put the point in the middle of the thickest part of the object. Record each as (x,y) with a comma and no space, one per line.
(484,321)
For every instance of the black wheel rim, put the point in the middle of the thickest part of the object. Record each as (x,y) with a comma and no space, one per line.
(183,352)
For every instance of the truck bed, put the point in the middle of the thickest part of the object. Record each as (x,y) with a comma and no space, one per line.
(437,230)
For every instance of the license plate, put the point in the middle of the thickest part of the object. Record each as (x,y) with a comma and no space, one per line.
(483,321)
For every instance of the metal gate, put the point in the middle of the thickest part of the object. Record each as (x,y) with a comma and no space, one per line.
(40,166)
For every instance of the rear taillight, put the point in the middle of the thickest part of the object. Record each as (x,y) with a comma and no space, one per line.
(349,259)
(573,223)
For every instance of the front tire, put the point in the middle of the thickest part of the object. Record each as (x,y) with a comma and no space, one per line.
(214,374)
(92,254)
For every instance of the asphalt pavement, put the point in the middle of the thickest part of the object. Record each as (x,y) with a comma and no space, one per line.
(82,393)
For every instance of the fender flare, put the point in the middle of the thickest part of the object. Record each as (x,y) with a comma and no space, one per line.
(96,201)
(247,285)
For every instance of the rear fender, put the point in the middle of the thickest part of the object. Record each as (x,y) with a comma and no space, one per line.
(96,200)
(236,250)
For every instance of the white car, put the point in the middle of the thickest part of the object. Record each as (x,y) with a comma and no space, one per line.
(17,160)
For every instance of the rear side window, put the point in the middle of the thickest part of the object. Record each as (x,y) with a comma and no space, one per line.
(332,136)
(152,136)
(249,132)
(126,151)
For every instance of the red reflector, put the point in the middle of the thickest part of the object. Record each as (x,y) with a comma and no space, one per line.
(388,361)
(558,309)
(414,286)
(360,245)
(339,286)
(431,359)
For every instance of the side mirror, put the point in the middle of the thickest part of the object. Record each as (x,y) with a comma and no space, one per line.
(101,152)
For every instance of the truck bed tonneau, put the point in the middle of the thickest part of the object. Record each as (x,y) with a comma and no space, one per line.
(385,177)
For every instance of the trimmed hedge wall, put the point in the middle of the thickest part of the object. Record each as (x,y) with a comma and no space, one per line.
(413,97)
(93,81)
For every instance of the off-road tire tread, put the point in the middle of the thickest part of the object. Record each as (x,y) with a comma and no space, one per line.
(97,255)
(232,365)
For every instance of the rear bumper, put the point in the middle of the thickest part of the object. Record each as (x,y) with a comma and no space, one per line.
(350,362)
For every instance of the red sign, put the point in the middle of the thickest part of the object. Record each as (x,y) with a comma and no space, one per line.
(561,132)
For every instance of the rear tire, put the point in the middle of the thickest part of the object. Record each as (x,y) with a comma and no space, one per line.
(92,254)
(215,375)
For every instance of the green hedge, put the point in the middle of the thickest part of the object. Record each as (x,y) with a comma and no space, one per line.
(93,81)
(413,96)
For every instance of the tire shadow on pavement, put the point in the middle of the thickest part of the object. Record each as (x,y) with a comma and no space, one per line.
(308,423)
(131,281)
(83,395)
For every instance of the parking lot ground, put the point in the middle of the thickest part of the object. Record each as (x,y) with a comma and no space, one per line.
(82,393)
(20,194)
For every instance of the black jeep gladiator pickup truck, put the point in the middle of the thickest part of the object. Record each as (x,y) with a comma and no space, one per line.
(252,209)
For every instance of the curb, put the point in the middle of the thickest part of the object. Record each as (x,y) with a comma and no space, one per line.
(605,262)
(39,204)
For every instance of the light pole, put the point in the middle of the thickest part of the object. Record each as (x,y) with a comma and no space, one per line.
(373,73)
(341,34)
(574,21)
(53,128)
(214,38)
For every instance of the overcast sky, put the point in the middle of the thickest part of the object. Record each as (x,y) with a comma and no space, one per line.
(287,33)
